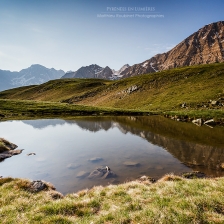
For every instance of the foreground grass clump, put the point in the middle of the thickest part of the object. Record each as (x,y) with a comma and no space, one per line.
(170,200)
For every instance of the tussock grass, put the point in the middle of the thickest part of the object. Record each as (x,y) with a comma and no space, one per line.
(170,200)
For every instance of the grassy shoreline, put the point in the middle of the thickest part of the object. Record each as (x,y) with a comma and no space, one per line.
(29,109)
(172,199)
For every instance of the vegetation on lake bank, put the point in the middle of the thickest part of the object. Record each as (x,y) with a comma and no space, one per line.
(21,109)
(172,199)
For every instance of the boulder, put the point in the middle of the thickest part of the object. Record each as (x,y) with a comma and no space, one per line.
(102,172)
(146,180)
(214,103)
(15,152)
(197,122)
(31,154)
(5,145)
(4,156)
(7,149)
(210,122)
(10,153)
(37,185)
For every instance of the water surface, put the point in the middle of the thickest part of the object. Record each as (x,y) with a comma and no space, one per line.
(158,144)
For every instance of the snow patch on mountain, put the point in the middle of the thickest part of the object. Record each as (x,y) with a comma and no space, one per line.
(145,64)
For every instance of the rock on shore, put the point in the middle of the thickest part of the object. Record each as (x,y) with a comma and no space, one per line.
(7,149)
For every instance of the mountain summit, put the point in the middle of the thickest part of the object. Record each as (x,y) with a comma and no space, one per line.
(95,71)
(35,74)
(202,47)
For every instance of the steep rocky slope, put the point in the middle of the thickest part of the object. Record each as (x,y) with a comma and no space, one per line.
(205,46)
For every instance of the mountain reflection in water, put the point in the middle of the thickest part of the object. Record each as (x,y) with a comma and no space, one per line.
(164,146)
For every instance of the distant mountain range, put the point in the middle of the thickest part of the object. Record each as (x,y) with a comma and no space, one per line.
(202,47)
(35,74)
(95,71)
(205,46)
(38,74)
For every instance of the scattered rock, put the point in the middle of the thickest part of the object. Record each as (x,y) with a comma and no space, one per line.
(8,154)
(102,172)
(131,89)
(5,145)
(82,174)
(37,185)
(210,123)
(198,122)
(131,163)
(214,103)
(222,165)
(31,154)
(16,152)
(73,166)
(146,179)
(193,175)
(95,159)
(4,156)
(7,149)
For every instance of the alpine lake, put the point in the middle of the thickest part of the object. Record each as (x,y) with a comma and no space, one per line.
(67,151)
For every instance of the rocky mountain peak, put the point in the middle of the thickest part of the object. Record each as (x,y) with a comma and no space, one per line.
(202,47)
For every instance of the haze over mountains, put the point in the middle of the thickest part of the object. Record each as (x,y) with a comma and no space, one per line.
(202,47)
(35,74)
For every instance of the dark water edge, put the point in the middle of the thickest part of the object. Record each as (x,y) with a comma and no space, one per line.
(158,144)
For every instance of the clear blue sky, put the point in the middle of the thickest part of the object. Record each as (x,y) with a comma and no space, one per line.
(67,34)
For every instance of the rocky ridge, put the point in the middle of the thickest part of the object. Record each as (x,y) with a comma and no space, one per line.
(95,71)
(205,46)
(34,75)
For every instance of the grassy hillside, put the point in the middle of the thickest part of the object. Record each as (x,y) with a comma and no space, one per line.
(162,91)
(170,200)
